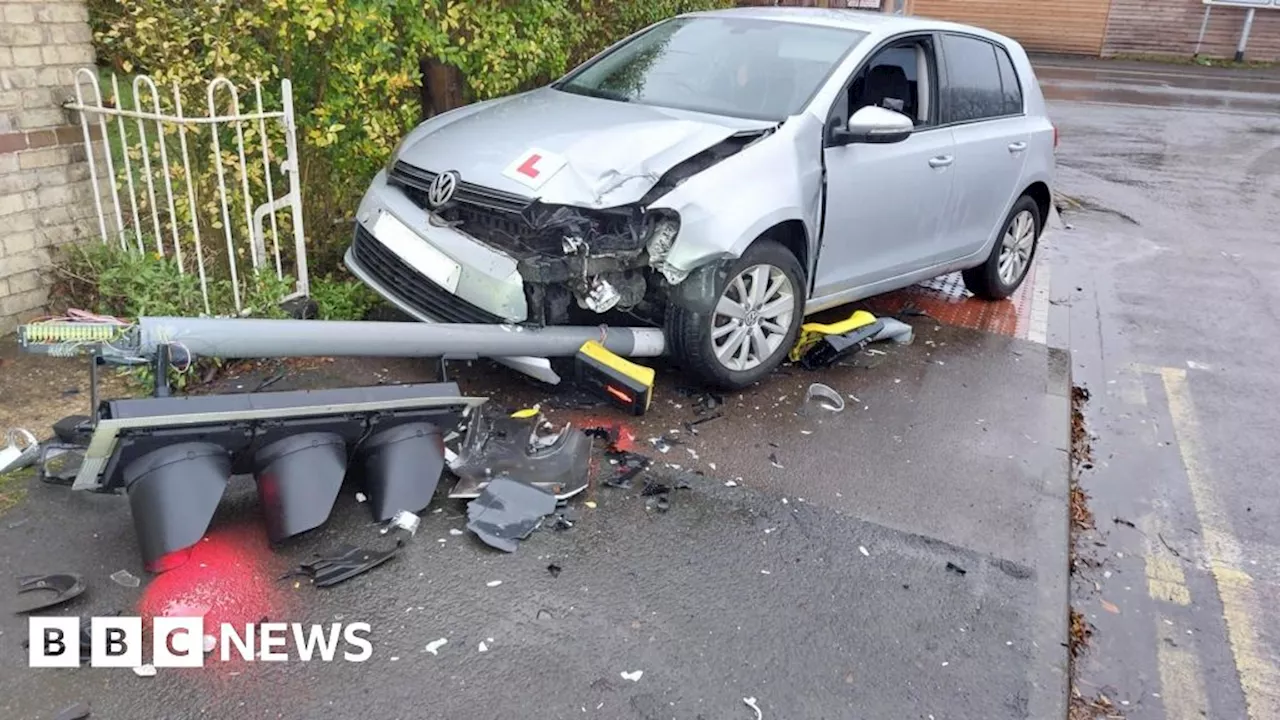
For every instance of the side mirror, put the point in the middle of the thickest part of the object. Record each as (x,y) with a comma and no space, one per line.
(873,124)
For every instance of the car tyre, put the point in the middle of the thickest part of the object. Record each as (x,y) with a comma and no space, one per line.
(751,327)
(1012,255)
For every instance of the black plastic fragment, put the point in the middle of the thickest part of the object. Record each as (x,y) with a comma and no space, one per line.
(498,446)
(74,429)
(60,586)
(564,519)
(692,425)
(628,466)
(345,563)
(652,488)
(956,568)
(554,569)
(507,511)
(832,348)
(79,711)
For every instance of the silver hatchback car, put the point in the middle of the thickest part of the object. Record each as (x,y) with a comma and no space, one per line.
(721,175)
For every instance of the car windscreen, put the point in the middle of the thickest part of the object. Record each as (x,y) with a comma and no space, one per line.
(726,66)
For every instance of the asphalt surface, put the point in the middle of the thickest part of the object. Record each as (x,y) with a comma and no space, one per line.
(1166,287)
(821,587)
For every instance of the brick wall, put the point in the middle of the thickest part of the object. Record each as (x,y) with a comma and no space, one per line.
(45,192)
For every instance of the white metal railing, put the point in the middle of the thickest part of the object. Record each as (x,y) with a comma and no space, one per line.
(154,205)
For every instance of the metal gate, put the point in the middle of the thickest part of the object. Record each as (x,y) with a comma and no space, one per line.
(156,197)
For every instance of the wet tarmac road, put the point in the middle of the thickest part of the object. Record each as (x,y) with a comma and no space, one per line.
(821,587)
(1167,290)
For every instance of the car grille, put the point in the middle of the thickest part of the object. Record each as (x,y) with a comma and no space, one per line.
(467,193)
(491,216)
(411,287)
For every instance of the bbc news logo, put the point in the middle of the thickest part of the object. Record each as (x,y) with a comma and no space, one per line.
(180,642)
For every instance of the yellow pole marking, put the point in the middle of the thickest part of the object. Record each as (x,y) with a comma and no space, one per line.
(1181,681)
(1259,678)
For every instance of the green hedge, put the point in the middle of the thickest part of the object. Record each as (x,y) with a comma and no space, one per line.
(356,67)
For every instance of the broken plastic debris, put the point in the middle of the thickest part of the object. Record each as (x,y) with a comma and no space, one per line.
(145,671)
(125,578)
(61,588)
(345,563)
(507,511)
(361,497)
(20,450)
(502,446)
(493,583)
(483,647)
(633,676)
(827,398)
(406,521)
(554,569)
(863,550)
(434,646)
(591,504)
(455,531)
(955,568)
(895,330)
(751,703)
(773,460)
(730,483)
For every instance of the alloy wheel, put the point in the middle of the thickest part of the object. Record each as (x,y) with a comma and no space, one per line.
(752,317)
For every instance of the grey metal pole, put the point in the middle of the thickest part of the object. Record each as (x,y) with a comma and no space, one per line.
(1244,35)
(1204,26)
(253,338)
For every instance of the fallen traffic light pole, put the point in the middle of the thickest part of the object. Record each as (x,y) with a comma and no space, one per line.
(173,456)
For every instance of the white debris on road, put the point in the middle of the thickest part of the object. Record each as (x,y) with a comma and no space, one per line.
(633,676)
(434,646)
(751,703)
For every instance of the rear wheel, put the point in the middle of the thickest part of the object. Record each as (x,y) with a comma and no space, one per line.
(754,322)
(1005,268)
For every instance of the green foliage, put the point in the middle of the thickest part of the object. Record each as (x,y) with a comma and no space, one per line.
(354,65)
(126,283)
(342,298)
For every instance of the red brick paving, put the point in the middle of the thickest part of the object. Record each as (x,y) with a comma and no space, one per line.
(946,300)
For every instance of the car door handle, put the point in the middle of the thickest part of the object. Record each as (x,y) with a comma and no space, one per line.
(941,161)
(1017,147)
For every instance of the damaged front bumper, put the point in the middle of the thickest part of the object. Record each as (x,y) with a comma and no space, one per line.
(490,256)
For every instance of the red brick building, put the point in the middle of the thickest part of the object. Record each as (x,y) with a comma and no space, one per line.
(1103,28)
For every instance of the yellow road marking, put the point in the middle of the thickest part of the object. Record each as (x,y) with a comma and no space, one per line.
(1259,678)
(1181,681)
(1165,580)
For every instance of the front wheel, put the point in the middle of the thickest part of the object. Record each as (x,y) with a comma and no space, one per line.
(1005,268)
(753,324)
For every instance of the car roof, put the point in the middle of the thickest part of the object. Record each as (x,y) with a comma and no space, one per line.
(868,21)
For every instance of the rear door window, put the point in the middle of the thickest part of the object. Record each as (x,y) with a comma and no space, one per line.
(1009,83)
(973,88)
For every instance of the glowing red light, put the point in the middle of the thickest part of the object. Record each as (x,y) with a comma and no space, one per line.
(618,394)
(227,577)
(170,561)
